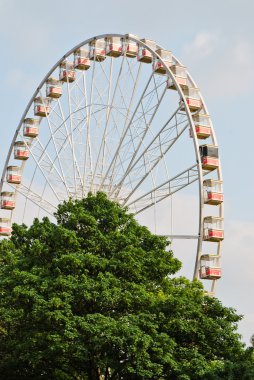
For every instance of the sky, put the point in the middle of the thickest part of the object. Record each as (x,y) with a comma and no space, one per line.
(214,39)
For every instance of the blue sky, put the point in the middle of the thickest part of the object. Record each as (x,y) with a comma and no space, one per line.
(215,40)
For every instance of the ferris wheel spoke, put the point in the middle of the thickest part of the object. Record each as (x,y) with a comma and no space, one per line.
(166,189)
(108,110)
(154,152)
(135,129)
(135,82)
(42,166)
(90,112)
(135,78)
(116,155)
(158,83)
(45,165)
(36,198)
(74,160)
(34,195)
(61,137)
(68,141)
(88,153)
(156,87)
(127,108)
(137,132)
(52,134)
(113,107)
(131,148)
(42,158)
(80,117)
(42,196)
(65,137)
(105,148)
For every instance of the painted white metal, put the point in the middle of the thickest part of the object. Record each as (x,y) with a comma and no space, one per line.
(120,172)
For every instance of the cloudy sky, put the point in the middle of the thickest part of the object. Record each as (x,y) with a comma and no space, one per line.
(214,39)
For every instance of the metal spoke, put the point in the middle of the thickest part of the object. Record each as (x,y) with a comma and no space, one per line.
(108,111)
(52,136)
(181,236)
(116,155)
(166,189)
(74,162)
(34,197)
(88,153)
(154,152)
(131,148)
(44,164)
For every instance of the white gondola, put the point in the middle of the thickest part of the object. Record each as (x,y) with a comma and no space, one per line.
(13,175)
(31,127)
(213,192)
(180,74)
(166,56)
(7,200)
(21,151)
(144,55)
(192,98)
(5,227)
(202,126)
(209,157)
(67,72)
(114,46)
(97,50)
(81,59)
(53,88)
(210,268)
(213,228)
(130,48)
(41,106)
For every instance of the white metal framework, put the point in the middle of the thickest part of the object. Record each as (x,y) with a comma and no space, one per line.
(122,115)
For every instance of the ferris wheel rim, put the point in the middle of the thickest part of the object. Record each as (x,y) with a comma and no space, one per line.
(187,110)
(71,51)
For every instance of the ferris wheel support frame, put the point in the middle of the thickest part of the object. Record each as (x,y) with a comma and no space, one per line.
(190,121)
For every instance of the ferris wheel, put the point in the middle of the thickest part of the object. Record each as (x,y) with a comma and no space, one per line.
(122,115)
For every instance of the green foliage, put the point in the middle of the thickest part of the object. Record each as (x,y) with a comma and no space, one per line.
(94,297)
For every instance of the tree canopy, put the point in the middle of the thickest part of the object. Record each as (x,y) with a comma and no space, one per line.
(95,296)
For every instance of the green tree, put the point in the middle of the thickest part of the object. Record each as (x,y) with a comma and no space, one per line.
(94,297)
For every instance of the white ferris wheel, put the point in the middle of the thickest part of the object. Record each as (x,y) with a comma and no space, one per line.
(122,115)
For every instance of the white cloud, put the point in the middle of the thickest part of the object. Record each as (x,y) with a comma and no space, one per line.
(203,45)
(235,73)
(224,65)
